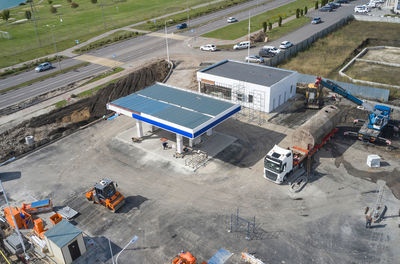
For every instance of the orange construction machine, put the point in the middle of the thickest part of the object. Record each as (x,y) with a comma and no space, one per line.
(104,193)
(185,258)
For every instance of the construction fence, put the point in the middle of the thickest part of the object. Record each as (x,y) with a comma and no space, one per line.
(306,43)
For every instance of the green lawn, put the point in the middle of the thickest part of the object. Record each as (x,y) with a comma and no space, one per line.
(241,28)
(80,23)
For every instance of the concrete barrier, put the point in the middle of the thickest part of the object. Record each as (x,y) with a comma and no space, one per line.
(377,18)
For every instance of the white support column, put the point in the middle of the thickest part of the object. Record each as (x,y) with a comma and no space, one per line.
(209,132)
(139,127)
(179,143)
(199,87)
(191,142)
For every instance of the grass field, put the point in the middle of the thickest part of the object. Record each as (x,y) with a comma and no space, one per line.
(241,28)
(326,56)
(374,73)
(81,23)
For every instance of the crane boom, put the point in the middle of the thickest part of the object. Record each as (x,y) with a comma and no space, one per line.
(339,90)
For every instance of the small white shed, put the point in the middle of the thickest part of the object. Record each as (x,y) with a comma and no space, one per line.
(65,242)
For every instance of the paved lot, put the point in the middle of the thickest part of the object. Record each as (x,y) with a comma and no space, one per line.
(172,209)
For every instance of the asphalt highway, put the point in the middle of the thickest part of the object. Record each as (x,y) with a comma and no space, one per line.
(146,47)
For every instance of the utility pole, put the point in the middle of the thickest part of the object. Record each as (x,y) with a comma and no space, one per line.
(187,7)
(55,45)
(102,14)
(248,49)
(34,22)
(166,39)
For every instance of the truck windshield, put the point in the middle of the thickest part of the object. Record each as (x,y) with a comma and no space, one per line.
(268,164)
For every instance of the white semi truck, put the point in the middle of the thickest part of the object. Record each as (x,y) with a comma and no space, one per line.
(285,159)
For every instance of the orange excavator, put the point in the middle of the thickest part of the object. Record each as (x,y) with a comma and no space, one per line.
(185,258)
(104,193)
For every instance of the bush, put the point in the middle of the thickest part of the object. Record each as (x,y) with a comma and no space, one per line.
(50,2)
(5,15)
(264,25)
(297,13)
(93,1)
(301,12)
(269,26)
(28,14)
(305,10)
(316,5)
(74,5)
(280,21)
(53,10)
(69,1)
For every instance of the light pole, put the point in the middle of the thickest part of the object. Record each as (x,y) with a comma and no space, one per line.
(187,7)
(248,49)
(15,223)
(133,240)
(166,38)
(55,45)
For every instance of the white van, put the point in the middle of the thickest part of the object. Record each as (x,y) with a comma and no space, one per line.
(242,45)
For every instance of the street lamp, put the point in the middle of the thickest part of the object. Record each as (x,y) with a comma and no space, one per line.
(187,7)
(55,45)
(166,38)
(133,240)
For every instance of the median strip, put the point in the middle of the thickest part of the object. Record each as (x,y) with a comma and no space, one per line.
(44,77)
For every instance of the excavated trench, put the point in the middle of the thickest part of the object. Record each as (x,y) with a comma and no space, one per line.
(64,121)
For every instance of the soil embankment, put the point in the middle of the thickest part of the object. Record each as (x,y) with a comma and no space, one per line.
(66,120)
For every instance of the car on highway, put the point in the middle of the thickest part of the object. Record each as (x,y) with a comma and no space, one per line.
(326,8)
(232,20)
(272,49)
(285,45)
(254,58)
(342,1)
(208,47)
(43,67)
(316,20)
(181,26)
(361,9)
(266,53)
(334,5)
(242,45)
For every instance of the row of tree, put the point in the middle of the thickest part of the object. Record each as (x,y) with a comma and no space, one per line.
(299,12)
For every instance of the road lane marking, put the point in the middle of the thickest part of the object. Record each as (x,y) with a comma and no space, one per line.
(171,36)
(99,60)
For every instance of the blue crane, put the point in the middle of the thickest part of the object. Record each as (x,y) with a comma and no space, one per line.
(378,117)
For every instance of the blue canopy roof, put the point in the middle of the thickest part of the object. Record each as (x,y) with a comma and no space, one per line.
(179,111)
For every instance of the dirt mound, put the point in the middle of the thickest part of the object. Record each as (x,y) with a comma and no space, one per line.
(258,37)
(63,121)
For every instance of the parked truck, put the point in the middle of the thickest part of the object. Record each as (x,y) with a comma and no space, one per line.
(287,158)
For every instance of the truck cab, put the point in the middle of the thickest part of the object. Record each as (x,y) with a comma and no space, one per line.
(278,164)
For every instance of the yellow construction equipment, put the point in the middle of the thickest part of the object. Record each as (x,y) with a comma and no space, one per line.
(314,98)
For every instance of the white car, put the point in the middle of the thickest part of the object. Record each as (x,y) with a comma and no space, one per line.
(361,9)
(285,45)
(232,20)
(242,45)
(371,4)
(272,49)
(254,58)
(208,47)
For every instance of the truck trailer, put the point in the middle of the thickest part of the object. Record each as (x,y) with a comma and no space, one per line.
(285,159)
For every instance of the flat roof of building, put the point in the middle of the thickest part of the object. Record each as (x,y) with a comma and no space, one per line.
(248,72)
(62,233)
(180,111)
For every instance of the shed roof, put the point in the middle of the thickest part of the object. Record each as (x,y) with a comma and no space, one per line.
(248,72)
(62,233)
(179,111)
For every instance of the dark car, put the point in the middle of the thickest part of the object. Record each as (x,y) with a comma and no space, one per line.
(342,1)
(181,26)
(334,5)
(326,9)
(266,53)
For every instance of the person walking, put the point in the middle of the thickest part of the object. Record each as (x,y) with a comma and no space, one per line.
(368,221)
